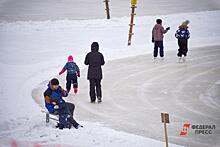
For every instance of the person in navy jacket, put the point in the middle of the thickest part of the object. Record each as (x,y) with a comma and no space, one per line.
(72,73)
(183,34)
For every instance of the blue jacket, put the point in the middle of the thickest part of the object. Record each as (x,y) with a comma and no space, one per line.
(52,95)
(71,68)
(182,33)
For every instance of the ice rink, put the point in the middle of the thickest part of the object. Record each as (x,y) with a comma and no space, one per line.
(136,90)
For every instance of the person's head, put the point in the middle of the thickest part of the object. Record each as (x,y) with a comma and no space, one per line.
(70,58)
(54,83)
(95,47)
(184,24)
(159,21)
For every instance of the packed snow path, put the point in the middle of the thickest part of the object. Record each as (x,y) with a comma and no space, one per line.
(136,90)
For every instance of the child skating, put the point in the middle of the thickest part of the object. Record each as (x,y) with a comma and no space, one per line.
(72,73)
(183,34)
(157,38)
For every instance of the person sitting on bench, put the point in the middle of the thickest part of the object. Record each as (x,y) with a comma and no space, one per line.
(56,105)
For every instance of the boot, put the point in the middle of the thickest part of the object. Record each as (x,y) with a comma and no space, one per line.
(99,99)
(75,90)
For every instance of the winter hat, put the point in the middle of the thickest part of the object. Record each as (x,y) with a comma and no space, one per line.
(95,46)
(185,24)
(70,58)
(159,21)
(54,81)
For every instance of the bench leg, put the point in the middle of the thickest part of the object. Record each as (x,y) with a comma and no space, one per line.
(47,118)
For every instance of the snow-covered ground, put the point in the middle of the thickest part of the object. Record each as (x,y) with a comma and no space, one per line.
(32,52)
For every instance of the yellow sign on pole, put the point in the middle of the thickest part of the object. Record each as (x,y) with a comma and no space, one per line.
(133,2)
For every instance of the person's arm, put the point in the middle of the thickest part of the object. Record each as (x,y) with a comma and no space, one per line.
(64,93)
(177,34)
(102,60)
(63,70)
(164,31)
(153,34)
(188,34)
(77,71)
(87,60)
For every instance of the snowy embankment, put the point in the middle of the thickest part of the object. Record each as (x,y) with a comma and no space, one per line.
(32,52)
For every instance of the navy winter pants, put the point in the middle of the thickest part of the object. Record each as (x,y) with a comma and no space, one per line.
(158,44)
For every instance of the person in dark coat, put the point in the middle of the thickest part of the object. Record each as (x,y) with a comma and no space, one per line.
(95,60)
(183,34)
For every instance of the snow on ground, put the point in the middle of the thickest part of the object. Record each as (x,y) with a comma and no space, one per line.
(32,52)
(92,135)
(34,132)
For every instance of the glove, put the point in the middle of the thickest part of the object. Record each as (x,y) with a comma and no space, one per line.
(56,107)
(62,71)
(152,39)
(78,74)
(54,103)
(65,94)
(168,28)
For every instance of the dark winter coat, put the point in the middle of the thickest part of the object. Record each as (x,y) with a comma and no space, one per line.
(71,67)
(51,95)
(95,60)
(182,32)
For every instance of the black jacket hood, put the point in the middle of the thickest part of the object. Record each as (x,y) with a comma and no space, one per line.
(95,47)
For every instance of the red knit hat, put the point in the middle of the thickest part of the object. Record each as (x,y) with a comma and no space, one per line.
(70,58)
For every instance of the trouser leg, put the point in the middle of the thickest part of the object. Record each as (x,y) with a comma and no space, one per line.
(75,82)
(161,48)
(71,108)
(68,83)
(92,90)
(180,50)
(155,48)
(98,88)
(185,47)
(73,121)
